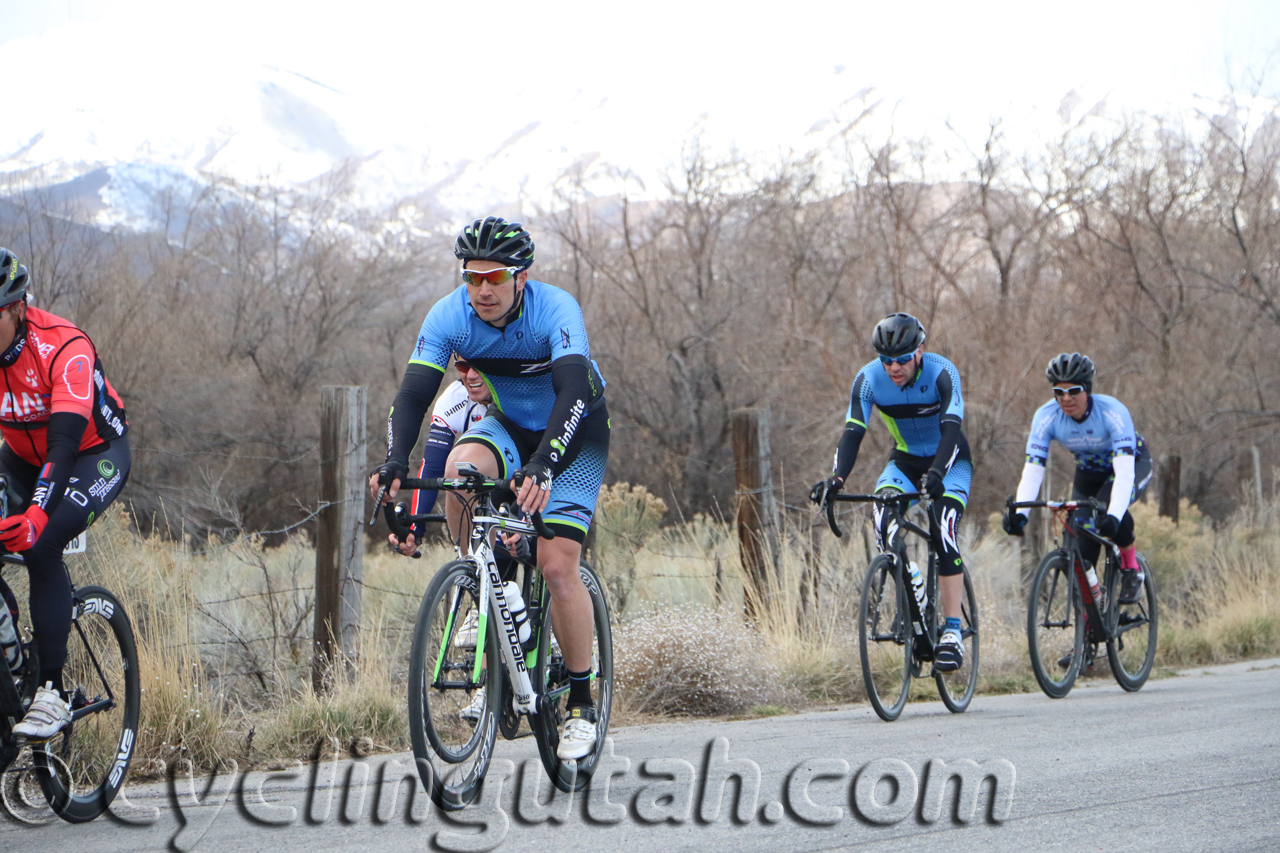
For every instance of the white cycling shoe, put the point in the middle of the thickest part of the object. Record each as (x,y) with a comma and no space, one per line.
(465,636)
(49,714)
(949,655)
(578,735)
(473,712)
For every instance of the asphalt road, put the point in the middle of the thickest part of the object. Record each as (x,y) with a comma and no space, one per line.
(1189,763)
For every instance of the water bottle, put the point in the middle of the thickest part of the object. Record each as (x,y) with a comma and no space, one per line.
(917,584)
(9,641)
(1095,589)
(519,613)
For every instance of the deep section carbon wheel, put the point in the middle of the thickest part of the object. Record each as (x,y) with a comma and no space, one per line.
(956,688)
(453,660)
(82,767)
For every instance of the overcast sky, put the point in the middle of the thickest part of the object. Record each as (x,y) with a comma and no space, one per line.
(460,76)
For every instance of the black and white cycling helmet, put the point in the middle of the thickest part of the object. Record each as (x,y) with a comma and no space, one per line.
(1071,367)
(897,334)
(495,239)
(14,278)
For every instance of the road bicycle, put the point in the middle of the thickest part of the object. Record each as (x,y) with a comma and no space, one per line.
(1065,619)
(80,770)
(531,681)
(898,621)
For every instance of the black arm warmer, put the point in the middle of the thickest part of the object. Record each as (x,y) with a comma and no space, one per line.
(411,405)
(947,445)
(63,436)
(573,394)
(847,452)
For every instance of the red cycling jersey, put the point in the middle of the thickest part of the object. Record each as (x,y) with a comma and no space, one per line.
(55,368)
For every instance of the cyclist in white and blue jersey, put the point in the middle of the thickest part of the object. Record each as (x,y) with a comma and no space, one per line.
(548,423)
(918,395)
(1112,461)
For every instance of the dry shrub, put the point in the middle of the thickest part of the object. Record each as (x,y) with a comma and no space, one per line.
(695,661)
(626,516)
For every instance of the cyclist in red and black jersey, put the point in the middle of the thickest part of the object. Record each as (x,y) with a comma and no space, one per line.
(65,459)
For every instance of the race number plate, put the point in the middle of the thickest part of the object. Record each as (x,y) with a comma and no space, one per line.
(77,545)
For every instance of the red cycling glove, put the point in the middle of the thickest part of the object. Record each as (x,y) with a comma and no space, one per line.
(20,532)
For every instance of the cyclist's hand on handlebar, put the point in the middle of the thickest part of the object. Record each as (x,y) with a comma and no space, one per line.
(1013,522)
(1108,527)
(534,484)
(387,474)
(822,492)
(931,484)
(409,547)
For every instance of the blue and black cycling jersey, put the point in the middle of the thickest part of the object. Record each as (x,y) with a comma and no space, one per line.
(924,416)
(538,368)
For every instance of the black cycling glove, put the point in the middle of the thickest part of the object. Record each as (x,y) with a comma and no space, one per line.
(391,470)
(1013,522)
(1108,527)
(822,492)
(932,485)
(539,472)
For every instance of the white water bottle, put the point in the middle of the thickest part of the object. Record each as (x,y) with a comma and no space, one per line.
(917,584)
(9,641)
(519,613)
(1095,589)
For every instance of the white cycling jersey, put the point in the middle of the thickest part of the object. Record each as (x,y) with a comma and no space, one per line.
(455,411)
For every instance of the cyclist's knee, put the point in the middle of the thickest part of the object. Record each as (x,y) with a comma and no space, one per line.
(882,520)
(472,453)
(944,515)
(558,561)
(1125,536)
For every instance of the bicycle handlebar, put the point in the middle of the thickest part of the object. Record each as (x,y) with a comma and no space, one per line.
(882,499)
(504,488)
(1092,503)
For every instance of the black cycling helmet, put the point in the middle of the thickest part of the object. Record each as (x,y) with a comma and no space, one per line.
(1071,367)
(897,334)
(495,239)
(14,278)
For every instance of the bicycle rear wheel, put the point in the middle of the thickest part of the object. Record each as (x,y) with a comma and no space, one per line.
(884,638)
(82,767)
(551,678)
(453,752)
(1055,625)
(956,688)
(1133,628)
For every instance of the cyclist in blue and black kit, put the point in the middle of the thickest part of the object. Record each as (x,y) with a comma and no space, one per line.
(1112,461)
(918,395)
(548,424)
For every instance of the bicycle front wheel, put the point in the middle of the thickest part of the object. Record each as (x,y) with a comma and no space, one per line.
(453,660)
(1055,625)
(956,688)
(884,638)
(551,677)
(1133,628)
(82,767)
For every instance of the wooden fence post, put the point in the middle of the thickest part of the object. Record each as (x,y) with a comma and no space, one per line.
(339,533)
(755,509)
(1170,486)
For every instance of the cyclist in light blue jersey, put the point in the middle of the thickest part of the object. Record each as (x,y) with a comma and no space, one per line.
(548,424)
(918,395)
(1112,461)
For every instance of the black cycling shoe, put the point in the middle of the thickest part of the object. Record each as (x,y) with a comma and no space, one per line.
(1085,666)
(948,655)
(1131,585)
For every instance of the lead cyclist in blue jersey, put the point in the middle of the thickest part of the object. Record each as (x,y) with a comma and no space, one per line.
(918,395)
(1112,461)
(548,424)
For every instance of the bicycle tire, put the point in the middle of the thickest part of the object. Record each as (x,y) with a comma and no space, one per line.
(885,649)
(551,681)
(956,688)
(82,768)
(1055,625)
(452,754)
(1131,661)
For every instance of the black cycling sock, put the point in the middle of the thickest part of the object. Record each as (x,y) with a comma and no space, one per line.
(579,690)
(52,676)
